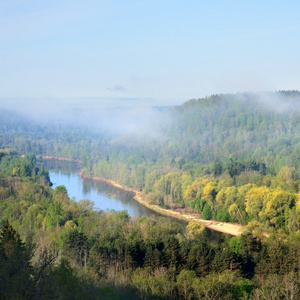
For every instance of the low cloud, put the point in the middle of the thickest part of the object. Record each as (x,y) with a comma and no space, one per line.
(112,115)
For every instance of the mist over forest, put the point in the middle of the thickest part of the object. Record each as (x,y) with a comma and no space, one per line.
(114,117)
(199,130)
(130,115)
(189,108)
(230,158)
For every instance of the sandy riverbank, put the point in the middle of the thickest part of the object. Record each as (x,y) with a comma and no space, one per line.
(229,228)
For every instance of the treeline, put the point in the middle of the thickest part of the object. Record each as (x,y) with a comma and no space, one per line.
(52,247)
(249,127)
(228,157)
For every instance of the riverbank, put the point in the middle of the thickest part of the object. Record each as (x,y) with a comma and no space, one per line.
(224,227)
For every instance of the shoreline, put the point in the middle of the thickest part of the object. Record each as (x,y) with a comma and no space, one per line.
(233,229)
(224,227)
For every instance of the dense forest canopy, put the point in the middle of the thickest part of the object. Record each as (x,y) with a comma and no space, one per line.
(211,155)
(231,158)
(52,247)
(255,126)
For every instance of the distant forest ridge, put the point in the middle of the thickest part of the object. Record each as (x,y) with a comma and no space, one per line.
(263,127)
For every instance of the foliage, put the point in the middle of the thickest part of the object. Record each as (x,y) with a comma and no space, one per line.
(224,157)
(231,152)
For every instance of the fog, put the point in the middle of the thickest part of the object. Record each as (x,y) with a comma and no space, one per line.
(280,102)
(129,115)
(113,116)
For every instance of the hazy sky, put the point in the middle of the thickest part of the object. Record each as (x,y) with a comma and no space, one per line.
(153,52)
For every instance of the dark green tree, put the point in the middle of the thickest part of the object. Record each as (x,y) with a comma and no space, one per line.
(15,267)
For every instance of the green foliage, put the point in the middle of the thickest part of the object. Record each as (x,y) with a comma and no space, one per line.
(54,214)
(152,259)
(64,282)
(208,152)
(185,281)
(207,212)
(227,157)
(235,245)
(223,215)
(60,189)
(15,268)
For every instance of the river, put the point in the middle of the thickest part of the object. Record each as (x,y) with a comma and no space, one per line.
(104,195)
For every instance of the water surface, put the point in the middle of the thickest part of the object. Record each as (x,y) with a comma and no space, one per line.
(105,196)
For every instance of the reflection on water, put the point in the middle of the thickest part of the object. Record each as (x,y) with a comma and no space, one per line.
(64,167)
(104,195)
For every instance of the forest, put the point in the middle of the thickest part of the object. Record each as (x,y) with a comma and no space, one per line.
(232,158)
(53,247)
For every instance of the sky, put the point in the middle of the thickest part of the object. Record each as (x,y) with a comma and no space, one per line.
(141,52)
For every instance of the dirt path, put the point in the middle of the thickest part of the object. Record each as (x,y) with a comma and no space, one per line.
(230,228)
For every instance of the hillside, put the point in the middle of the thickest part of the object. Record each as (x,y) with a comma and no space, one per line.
(228,157)
(52,247)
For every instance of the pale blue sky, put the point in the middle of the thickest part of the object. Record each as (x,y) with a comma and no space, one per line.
(154,52)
